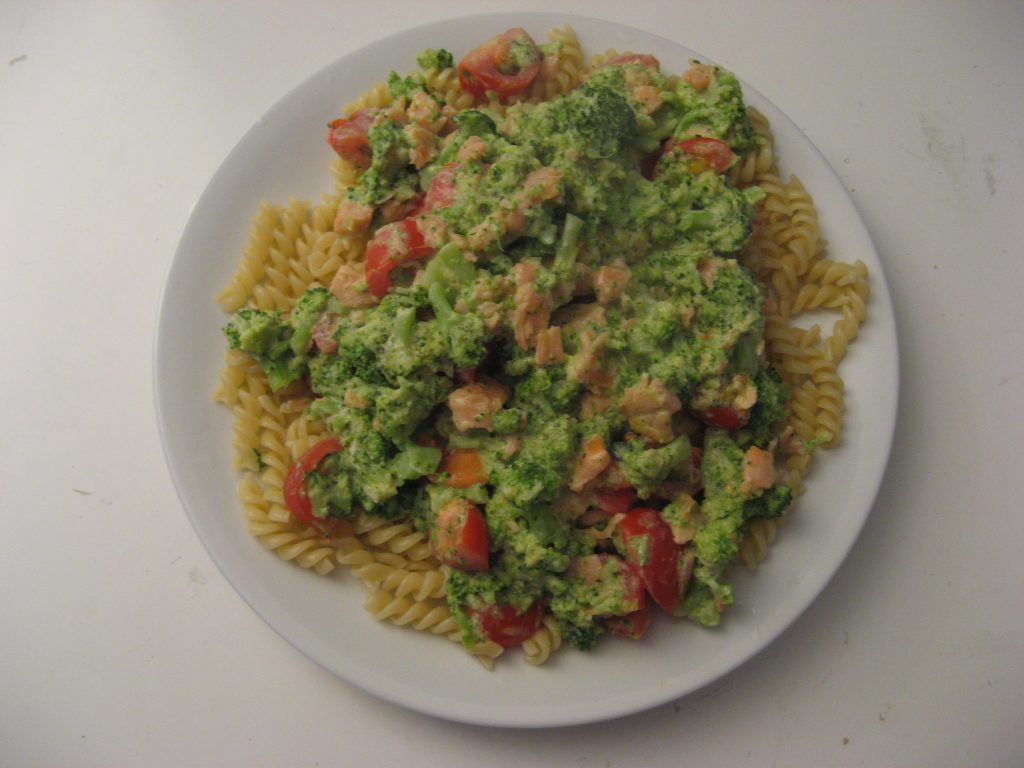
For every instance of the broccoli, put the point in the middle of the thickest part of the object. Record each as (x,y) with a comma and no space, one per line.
(598,118)
(718,110)
(647,468)
(473,122)
(388,175)
(267,338)
(701,606)
(450,268)
(717,541)
(545,391)
(728,218)
(330,490)
(568,248)
(770,408)
(309,308)
(582,637)
(435,58)
(770,504)
(466,335)
(403,86)
(400,409)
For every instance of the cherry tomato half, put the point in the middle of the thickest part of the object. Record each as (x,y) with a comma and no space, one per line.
(632,625)
(295,496)
(505,625)
(392,245)
(460,537)
(505,64)
(441,192)
(349,136)
(723,417)
(649,547)
(615,502)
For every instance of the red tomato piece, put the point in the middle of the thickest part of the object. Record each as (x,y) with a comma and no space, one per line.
(392,245)
(715,153)
(616,502)
(441,192)
(723,417)
(505,64)
(505,625)
(649,547)
(295,495)
(632,625)
(460,537)
(349,136)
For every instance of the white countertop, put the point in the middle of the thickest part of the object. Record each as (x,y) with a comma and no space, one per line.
(122,644)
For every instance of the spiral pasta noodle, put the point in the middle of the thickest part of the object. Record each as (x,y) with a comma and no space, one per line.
(788,254)
(542,643)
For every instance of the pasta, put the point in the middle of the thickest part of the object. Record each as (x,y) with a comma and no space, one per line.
(298,245)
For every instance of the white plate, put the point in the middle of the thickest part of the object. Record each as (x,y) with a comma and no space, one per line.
(284,154)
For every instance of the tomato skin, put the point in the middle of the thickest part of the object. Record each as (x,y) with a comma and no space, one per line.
(723,417)
(633,625)
(441,192)
(349,136)
(616,502)
(461,538)
(506,625)
(715,153)
(295,496)
(392,245)
(486,68)
(657,559)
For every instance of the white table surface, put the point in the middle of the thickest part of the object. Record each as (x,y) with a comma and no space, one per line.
(123,645)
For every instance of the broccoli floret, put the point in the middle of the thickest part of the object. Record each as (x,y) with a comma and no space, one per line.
(267,337)
(770,408)
(403,86)
(309,308)
(435,58)
(700,605)
(545,391)
(450,269)
(400,410)
(718,110)
(733,303)
(676,266)
(728,217)
(771,504)
(582,637)
(599,118)
(717,541)
(467,335)
(330,490)
(647,468)
(473,122)
(568,249)
(388,174)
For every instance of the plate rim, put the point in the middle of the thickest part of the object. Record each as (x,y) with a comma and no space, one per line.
(881,313)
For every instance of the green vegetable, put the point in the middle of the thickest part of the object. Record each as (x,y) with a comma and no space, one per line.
(435,58)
